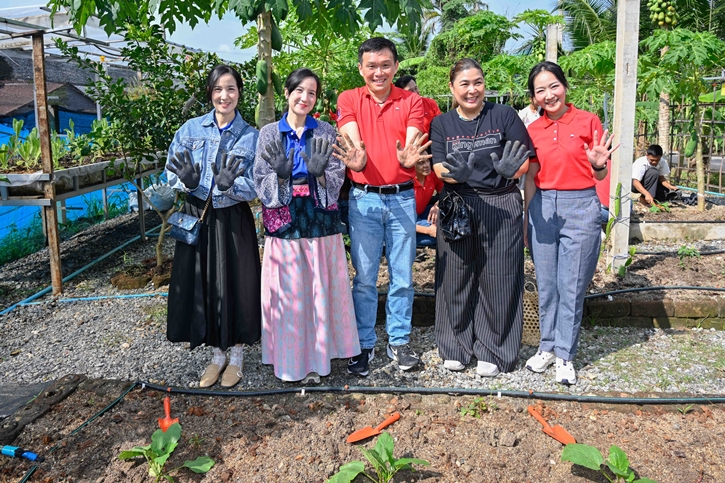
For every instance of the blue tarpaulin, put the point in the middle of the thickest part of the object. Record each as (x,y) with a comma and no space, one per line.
(82,124)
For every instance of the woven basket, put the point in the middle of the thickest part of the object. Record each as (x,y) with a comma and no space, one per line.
(531,333)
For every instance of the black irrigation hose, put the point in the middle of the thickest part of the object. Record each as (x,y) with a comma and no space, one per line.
(662,287)
(714,399)
(713,252)
(626,290)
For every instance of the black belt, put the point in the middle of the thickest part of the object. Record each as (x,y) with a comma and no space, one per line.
(389,189)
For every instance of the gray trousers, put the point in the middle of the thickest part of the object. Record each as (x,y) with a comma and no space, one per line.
(564,237)
(479,284)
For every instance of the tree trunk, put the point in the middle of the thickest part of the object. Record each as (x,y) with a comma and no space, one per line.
(663,125)
(264,50)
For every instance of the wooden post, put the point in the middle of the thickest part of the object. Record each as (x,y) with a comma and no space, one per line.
(623,127)
(552,42)
(141,214)
(46,156)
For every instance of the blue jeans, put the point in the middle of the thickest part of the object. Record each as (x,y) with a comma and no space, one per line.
(376,219)
(421,239)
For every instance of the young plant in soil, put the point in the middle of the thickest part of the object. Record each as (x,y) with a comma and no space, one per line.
(381,457)
(161,447)
(617,465)
(477,408)
(687,252)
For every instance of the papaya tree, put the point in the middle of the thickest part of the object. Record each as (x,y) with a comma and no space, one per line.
(536,21)
(663,15)
(689,57)
(345,16)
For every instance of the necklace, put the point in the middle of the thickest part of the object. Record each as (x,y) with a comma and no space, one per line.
(464,118)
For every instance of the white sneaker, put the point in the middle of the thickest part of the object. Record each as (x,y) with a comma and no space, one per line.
(540,361)
(486,369)
(565,372)
(453,365)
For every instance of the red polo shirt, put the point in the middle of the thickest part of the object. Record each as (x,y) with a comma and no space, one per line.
(430,110)
(380,127)
(424,192)
(559,147)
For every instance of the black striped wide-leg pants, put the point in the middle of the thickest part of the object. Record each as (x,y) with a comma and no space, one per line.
(479,284)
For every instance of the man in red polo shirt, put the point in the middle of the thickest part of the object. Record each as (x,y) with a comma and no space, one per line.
(381,127)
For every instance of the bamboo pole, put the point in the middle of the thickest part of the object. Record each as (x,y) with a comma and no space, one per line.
(46,156)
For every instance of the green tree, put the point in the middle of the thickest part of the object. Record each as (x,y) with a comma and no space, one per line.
(333,58)
(481,36)
(508,74)
(590,72)
(688,57)
(344,14)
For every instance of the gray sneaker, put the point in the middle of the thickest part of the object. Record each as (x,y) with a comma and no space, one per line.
(404,356)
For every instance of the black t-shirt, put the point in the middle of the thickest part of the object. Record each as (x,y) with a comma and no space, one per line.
(498,124)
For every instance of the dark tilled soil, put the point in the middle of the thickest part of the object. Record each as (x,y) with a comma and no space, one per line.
(301,438)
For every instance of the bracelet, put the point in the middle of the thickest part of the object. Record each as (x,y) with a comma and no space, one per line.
(600,169)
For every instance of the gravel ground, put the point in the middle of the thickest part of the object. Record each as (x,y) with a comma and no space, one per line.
(124,338)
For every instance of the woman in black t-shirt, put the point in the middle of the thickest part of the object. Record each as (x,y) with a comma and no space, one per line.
(479,150)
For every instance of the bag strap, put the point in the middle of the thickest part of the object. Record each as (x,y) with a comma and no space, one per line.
(208,202)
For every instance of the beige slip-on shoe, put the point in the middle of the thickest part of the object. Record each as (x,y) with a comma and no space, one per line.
(232,375)
(211,375)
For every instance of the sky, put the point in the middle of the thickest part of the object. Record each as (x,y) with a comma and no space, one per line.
(218,36)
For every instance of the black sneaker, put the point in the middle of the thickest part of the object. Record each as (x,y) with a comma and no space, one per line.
(358,365)
(404,355)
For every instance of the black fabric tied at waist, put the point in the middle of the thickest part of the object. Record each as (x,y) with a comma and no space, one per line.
(389,189)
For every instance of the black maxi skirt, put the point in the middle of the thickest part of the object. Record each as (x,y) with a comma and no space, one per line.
(214,294)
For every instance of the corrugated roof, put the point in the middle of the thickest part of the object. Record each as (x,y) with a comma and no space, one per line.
(13,96)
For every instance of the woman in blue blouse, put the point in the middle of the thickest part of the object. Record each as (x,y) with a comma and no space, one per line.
(214,295)
(307,312)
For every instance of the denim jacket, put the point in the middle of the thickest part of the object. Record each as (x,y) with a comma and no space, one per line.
(201,137)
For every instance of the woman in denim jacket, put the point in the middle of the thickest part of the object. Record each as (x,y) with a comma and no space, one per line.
(214,295)
(307,312)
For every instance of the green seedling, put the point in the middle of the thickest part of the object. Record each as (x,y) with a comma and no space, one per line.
(477,407)
(161,447)
(687,252)
(196,440)
(685,409)
(630,258)
(615,468)
(657,207)
(381,457)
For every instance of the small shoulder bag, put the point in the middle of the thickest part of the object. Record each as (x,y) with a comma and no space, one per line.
(185,228)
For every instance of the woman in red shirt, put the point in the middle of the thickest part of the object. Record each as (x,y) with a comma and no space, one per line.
(562,215)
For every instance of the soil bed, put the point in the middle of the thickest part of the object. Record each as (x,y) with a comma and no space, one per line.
(301,438)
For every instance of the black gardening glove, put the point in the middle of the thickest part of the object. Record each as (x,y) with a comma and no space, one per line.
(184,168)
(320,156)
(224,177)
(513,158)
(280,162)
(458,168)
